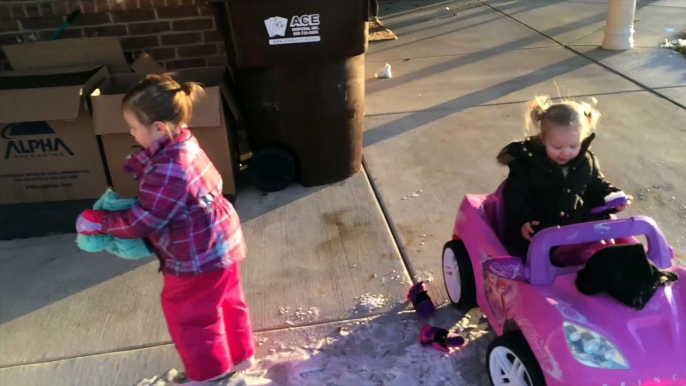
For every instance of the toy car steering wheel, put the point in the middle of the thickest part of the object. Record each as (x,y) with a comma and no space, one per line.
(612,201)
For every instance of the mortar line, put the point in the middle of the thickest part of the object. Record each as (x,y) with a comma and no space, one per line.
(608,68)
(670,87)
(457,54)
(403,315)
(647,5)
(423,8)
(572,44)
(391,226)
(81,356)
(427,110)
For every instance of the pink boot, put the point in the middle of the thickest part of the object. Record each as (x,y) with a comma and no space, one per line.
(419,297)
(440,338)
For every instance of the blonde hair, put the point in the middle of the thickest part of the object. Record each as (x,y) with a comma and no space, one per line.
(161,98)
(574,115)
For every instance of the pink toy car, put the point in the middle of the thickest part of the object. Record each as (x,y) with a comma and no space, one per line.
(548,332)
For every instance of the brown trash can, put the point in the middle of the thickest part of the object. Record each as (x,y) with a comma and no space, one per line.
(299,70)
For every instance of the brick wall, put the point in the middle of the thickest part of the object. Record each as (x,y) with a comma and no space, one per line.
(177,33)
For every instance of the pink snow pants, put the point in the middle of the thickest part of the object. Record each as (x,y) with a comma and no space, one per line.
(209,321)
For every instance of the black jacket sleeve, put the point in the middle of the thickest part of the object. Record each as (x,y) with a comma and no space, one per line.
(599,188)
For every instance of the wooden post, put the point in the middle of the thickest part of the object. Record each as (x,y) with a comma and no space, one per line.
(619,30)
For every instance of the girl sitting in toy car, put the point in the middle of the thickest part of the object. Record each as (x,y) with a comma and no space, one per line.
(554,177)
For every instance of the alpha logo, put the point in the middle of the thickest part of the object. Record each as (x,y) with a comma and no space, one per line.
(41,141)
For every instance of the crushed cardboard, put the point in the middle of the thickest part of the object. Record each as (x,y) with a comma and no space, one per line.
(68,53)
(145,64)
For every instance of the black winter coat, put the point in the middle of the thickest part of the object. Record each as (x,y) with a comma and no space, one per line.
(538,190)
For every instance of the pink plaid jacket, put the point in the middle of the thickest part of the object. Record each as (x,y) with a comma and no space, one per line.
(180,209)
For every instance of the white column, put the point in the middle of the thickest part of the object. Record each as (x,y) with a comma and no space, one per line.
(619,31)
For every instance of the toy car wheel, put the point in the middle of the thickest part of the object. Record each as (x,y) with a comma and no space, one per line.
(272,169)
(458,275)
(512,363)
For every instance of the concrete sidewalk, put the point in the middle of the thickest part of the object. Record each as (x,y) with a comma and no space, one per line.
(463,71)
(310,249)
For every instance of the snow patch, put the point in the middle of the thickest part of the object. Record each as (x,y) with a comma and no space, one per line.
(370,302)
(413,195)
(302,314)
(426,277)
(676,45)
(394,276)
(370,352)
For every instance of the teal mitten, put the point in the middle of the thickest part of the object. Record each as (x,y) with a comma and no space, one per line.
(127,249)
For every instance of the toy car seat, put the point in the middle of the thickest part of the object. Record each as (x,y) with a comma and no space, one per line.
(500,212)
(494,212)
(500,221)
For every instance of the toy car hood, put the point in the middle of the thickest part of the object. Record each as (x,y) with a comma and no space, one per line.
(656,334)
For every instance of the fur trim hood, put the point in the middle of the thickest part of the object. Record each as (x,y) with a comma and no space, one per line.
(533,146)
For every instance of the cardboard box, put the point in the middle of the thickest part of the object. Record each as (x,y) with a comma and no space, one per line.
(145,64)
(53,153)
(80,52)
(49,150)
(210,125)
(68,53)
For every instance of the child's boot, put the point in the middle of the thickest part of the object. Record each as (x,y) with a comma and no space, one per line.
(419,297)
(243,365)
(439,338)
(223,380)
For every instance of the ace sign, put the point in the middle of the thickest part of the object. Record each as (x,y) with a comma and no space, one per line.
(304,21)
(301,29)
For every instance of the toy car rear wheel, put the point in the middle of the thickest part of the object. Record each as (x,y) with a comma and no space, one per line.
(511,362)
(272,169)
(458,275)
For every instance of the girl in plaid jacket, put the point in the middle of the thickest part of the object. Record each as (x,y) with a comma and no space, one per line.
(195,230)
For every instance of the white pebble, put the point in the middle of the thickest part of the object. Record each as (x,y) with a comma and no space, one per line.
(385,73)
